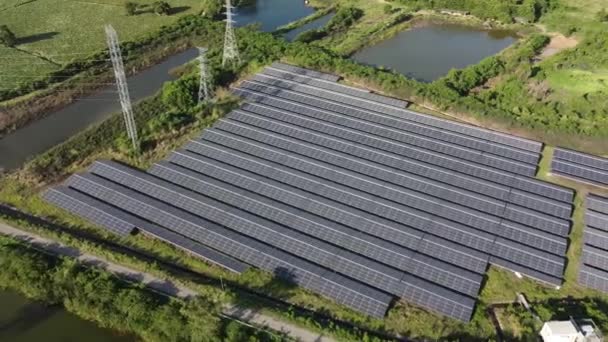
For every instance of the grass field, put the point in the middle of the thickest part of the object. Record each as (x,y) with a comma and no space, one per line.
(578,82)
(64,30)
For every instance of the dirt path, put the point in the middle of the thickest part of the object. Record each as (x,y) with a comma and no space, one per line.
(558,43)
(161,285)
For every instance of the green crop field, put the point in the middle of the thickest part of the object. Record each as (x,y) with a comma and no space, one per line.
(60,31)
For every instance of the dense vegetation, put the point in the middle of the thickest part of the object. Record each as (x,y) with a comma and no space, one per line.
(344,18)
(99,296)
(502,10)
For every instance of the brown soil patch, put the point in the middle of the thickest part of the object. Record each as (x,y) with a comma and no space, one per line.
(558,43)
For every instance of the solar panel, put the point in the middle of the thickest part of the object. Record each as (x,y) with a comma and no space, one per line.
(593,278)
(418,128)
(255,253)
(340,191)
(489,135)
(306,72)
(415,153)
(595,257)
(297,219)
(415,139)
(320,83)
(596,220)
(89,208)
(597,203)
(584,167)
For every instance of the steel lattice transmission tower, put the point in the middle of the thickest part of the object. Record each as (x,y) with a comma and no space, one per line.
(121,84)
(204,91)
(231,49)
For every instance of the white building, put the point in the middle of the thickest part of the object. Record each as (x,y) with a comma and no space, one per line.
(570,331)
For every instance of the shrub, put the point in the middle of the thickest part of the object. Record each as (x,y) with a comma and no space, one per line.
(130,8)
(212,9)
(180,94)
(310,36)
(602,15)
(162,8)
(344,18)
(7,37)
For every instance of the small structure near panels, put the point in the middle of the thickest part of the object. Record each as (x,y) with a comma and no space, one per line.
(571,331)
(346,193)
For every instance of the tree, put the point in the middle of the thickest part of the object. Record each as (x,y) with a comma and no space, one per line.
(7,37)
(162,8)
(212,9)
(180,94)
(130,8)
(602,15)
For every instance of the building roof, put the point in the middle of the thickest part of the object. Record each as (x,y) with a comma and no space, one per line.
(562,327)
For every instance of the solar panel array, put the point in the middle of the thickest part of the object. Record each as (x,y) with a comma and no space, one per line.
(580,166)
(350,196)
(594,266)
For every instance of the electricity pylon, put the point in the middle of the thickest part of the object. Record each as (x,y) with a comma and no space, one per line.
(204,91)
(231,49)
(121,84)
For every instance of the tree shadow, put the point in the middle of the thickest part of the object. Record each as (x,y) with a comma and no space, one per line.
(36,37)
(178,9)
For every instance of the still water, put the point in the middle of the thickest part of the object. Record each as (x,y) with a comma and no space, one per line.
(272,13)
(22,320)
(60,125)
(315,24)
(429,52)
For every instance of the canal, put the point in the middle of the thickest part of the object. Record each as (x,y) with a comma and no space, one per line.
(315,24)
(58,126)
(428,52)
(22,320)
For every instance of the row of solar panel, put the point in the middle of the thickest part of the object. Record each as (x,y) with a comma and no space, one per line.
(594,267)
(305,72)
(354,102)
(426,203)
(113,189)
(467,130)
(584,167)
(200,230)
(335,87)
(351,199)
(413,138)
(354,147)
(357,155)
(121,223)
(360,132)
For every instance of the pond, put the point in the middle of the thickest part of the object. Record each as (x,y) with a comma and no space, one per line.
(428,52)
(22,320)
(315,24)
(272,13)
